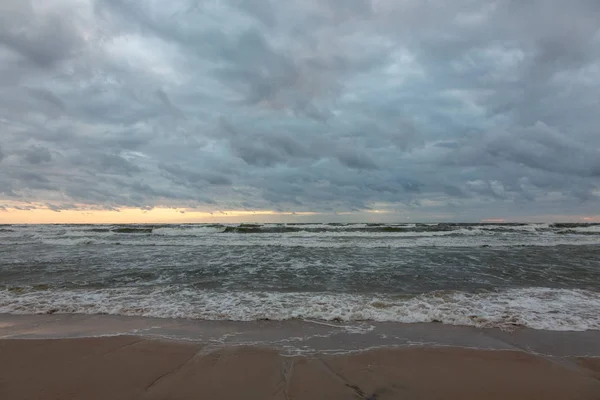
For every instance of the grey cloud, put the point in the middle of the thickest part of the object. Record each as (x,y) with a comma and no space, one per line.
(147,193)
(43,40)
(183,176)
(225,127)
(113,163)
(411,185)
(263,148)
(302,105)
(453,191)
(6,188)
(37,155)
(344,9)
(33,180)
(540,147)
(118,139)
(288,145)
(95,193)
(259,9)
(61,207)
(48,97)
(448,144)
(99,163)
(355,159)
(24,208)
(261,73)
(146,190)
(258,154)
(170,108)
(484,188)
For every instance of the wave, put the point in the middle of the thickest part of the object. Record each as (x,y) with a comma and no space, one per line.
(190,229)
(75,242)
(261,229)
(582,230)
(304,240)
(571,225)
(537,308)
(132,230)
(577,232)
(359,228)
(306,235)
(362,228)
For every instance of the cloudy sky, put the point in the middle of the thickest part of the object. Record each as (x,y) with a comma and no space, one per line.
(356,109)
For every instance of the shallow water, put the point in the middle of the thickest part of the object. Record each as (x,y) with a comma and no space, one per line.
(296,337)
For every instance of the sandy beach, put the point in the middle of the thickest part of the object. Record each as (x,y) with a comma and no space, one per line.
(135,367)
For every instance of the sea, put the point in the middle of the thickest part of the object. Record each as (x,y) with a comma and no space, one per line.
(540,276)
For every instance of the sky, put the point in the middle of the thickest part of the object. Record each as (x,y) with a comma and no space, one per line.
(300,110)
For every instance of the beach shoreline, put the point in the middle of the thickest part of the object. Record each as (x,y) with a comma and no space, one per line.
(303,337)
(101,357)
(133,367)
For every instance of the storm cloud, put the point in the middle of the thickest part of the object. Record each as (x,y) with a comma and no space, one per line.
(468,108)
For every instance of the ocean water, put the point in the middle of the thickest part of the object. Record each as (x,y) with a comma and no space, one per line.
(542,276)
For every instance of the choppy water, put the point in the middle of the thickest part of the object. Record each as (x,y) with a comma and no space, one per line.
(542,276)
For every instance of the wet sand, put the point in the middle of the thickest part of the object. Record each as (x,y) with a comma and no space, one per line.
(54,357)
(130,367)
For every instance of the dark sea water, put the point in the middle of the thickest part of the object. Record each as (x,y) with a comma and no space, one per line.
(542,276)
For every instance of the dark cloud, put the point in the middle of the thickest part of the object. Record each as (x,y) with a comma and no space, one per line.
(465,108)
(48,98)
(537,147)
(355,159)
(169,107)
(258,154)
(262,10)
(61,207)
(42,39)
(183,176)
(6,188)
(37,155)
(33,180)
(260,73)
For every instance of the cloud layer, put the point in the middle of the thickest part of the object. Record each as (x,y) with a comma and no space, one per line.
(471,108)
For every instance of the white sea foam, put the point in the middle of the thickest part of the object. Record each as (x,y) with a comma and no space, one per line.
(304,235)
(69,241)
(533,228)
(80,233)
(397,234)
(314,241)
(538,308)
(193,235)
(587,229)
(340,227)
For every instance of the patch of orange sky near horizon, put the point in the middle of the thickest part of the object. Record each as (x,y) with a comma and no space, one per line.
(132,215)
(87,215)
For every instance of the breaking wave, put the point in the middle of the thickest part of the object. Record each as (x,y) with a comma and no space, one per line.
(537,308)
